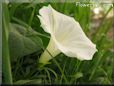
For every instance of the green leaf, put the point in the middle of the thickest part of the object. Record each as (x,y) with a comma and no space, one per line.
(5,47)
(21,82)
(21,42)
(76,76)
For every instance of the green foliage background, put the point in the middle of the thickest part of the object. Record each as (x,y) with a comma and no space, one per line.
(26,40)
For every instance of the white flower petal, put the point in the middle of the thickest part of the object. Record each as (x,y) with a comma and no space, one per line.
(67,34)
(46,18)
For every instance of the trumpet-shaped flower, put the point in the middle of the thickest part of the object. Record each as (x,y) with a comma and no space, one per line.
(67,36)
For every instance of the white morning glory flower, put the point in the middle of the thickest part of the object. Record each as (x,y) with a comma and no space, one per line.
(67,36)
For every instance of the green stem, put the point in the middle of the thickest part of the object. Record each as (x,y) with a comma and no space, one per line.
(5,50)
(50,52)
(31,17)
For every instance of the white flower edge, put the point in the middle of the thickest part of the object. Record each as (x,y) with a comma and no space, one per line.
(67,36)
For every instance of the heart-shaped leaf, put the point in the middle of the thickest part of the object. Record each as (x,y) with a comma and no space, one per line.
(23,41)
